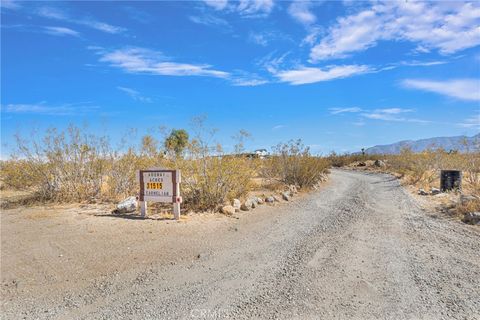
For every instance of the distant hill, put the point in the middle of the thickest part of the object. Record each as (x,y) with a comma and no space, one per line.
(447,143)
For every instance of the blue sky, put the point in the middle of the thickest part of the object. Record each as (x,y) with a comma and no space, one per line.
(341,75)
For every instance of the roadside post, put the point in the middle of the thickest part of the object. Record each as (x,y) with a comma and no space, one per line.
(159,185)
(450,180)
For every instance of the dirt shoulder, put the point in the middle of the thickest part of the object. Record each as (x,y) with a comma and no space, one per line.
(361,248)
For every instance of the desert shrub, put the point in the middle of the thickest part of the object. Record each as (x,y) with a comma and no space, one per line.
(423,169)
(209,176)
(65,165)
(292,163)
(19,174)
(469,206)
(342,160)
(210,181)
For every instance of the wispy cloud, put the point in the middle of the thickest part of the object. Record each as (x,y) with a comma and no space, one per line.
(216,4)
(385,114)
(255,8)
(241,78)
(391,114)
(447,28)
(246,8)
(344,110)
(61,31)
(261,39)
(10,4)
(69,109)
(146,61)
(463,89)
(135,95)
(245,82)
(305,75)
(210,20)
(58,14)
(278,127)
(417,63)
(300,11)
(472,122)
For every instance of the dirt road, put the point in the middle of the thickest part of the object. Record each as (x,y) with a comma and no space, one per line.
(361,248)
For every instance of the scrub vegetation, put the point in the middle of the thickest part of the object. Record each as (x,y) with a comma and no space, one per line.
(75,166)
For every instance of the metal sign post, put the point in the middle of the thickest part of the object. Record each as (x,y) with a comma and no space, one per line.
(159,185)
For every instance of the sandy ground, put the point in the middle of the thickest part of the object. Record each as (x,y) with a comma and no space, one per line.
(360,248)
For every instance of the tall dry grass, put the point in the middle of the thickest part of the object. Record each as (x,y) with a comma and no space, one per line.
(292,164)
(74,166)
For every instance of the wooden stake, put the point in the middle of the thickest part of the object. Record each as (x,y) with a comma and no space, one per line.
(143,208)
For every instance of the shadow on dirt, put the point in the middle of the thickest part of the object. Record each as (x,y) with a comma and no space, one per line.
(135,216)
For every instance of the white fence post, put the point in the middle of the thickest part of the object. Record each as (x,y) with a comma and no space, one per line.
(143,208)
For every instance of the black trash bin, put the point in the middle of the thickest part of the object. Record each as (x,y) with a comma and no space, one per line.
(450,180)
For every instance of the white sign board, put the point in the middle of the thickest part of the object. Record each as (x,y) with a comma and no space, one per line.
(158,185)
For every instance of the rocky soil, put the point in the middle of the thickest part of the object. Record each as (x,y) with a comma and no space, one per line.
(360,248)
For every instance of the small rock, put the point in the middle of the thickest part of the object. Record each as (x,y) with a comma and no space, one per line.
(270,199)
(422,192)
(361,164)
(379,163)
(435,191)
(252,201)
(228,210)
(472,218)
(126,206)
(276,198)
(286,196)
(259,200)
(244,207)
(237,204)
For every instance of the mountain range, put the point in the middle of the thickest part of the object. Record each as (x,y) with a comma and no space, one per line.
(458,143)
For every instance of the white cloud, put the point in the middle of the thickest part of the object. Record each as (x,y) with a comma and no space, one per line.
(393,110)
(10,4)
(385,114)
(217,4)
(447,27)
(135,95)
(246,8)
(300,11)
(306,75)
(391,114)
(258,38)
(209,20)
(42,108)
(278,127)
(140,60)
(472,122)
(61,31)
(416,63)
(57,14)
(52,13)
(242,78)
(255,8)
(344,110)
(243,82)
(464,89)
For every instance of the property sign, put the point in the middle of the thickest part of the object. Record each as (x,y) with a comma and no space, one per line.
(157,185)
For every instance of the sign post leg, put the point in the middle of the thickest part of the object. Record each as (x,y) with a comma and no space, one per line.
(176,211)
(143,208)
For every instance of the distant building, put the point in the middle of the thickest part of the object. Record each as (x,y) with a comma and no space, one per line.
(261,153)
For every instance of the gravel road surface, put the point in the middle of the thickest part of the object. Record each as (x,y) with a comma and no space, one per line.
(360,248)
